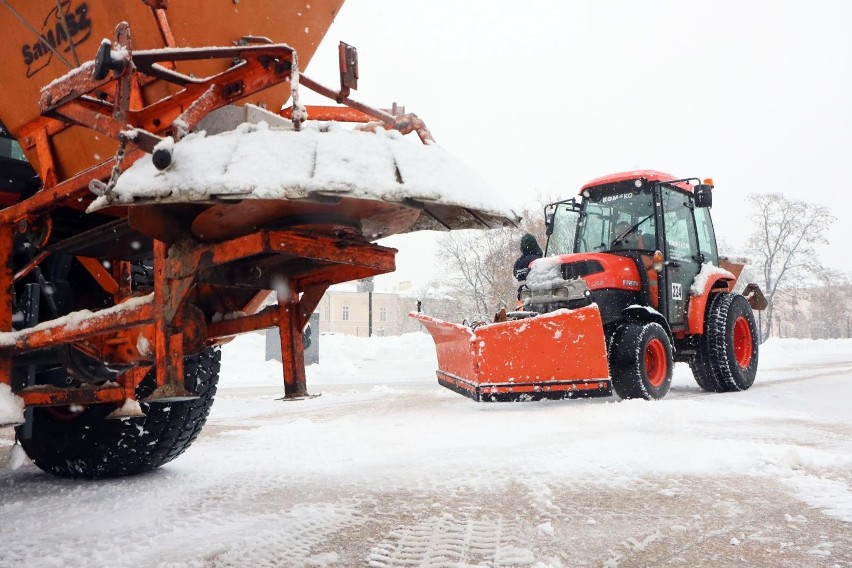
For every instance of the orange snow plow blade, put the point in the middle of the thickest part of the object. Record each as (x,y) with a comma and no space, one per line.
(556,355)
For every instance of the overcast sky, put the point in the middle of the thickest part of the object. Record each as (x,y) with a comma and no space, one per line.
(543,96)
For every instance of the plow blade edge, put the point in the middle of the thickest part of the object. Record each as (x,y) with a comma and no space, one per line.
(556,355)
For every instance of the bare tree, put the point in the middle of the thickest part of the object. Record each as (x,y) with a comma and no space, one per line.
(831,305)
(782,243)
(478,264)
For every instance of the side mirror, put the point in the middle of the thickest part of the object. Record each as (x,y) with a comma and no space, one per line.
(703,193)
(548,223)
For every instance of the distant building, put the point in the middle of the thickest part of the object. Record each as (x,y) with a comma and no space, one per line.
(347,311)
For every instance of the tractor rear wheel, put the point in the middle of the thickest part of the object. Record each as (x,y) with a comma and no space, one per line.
(640,361)
(726,359)
(82,442)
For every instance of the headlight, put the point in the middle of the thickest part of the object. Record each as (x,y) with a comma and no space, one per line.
(562,293)
(525,293)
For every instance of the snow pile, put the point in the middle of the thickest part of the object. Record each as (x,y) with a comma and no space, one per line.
(11,406)
(257,162)
(343,359)
(545,274)
(409,473)
(708,271)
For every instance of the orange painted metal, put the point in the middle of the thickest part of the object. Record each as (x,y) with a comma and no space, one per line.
(735,268)
(263,66)
(6,296)
(192,280)
(370,219)
(169,293)
(649,175)
(618,272)
(73,193)
(698,303)
(31,265)
(99,273)
(337,113)
(82,327)
(266,318)
(491,361)
(405,123)
(28,65)
(292,353)
(116,392)
(56,396)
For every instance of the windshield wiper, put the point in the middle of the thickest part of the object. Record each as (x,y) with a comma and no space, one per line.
(620,238)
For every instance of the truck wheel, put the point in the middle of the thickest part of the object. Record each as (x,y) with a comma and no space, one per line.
(728,350)
(83,443)
(640,361)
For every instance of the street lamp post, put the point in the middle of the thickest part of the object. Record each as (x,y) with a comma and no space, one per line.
(367,285)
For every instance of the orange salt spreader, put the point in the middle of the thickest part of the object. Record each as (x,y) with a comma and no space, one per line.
(156,200)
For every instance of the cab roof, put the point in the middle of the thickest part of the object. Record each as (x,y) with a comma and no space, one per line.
(650,175)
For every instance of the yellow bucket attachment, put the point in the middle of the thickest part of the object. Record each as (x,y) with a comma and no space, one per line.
(561,354)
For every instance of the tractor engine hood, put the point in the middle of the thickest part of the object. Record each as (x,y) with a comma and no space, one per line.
(599,271)
(568,280)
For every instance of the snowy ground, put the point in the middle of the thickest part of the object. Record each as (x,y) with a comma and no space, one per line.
(386,468)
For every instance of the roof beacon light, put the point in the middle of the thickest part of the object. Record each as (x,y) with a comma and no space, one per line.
(709,181)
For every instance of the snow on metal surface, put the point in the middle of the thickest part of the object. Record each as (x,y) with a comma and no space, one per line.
(255,161)
(708,271)
(74,319)
(11,406)
(545,274)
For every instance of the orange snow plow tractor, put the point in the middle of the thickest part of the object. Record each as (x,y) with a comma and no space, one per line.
(155,195)
(631,282)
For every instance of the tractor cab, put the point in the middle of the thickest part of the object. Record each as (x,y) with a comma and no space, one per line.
(658,225)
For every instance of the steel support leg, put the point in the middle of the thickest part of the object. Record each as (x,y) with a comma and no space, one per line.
(168,297)
(292,350)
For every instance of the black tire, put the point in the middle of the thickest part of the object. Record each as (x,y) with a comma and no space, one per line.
(640,361)
(87,445)
(727,355)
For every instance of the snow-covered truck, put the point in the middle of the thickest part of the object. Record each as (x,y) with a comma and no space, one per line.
(168,190)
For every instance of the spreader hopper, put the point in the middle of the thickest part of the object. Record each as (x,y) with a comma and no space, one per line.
(557,355)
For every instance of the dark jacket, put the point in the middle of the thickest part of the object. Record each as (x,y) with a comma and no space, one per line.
(529,252)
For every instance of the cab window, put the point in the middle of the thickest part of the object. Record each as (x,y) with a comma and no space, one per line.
(706,236)
(681,239)
(619,217)
(561,240)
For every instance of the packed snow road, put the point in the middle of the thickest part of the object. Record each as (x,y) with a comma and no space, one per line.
(389,469)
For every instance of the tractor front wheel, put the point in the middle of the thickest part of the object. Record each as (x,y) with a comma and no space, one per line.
(83,443)
(726,360)
(640,361)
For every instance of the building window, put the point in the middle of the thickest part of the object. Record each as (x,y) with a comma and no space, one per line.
(381,332)
(383,314)
(345,313)
(327,311)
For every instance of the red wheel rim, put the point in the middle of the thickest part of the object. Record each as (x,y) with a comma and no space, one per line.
(743,350)
(655,362)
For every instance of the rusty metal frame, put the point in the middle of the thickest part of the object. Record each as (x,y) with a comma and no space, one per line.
(309,262)
(175,269)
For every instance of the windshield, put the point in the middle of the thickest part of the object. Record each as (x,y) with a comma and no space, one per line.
(617,217)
